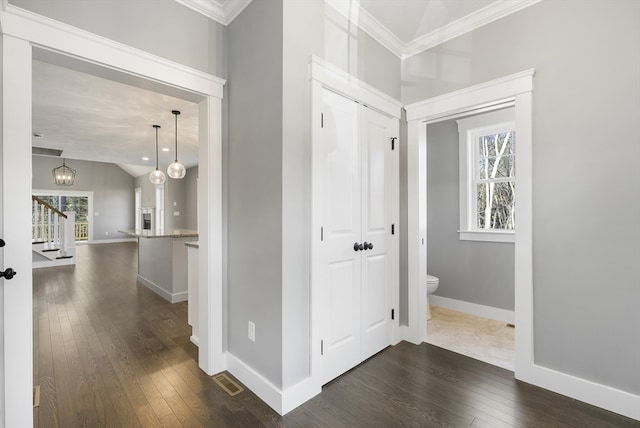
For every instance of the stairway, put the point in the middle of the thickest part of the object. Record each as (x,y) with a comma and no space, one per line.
(52,235)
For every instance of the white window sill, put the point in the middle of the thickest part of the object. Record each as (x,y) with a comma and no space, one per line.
(488,235)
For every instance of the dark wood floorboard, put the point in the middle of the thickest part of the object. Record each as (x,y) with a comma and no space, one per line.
(110,353)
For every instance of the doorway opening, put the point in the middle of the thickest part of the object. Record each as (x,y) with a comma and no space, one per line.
(471,181)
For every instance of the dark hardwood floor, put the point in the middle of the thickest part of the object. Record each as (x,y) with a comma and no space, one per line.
(109,352)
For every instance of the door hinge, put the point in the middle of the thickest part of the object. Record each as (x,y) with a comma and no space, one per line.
(322,347)
(321,233)
(393,229)
(393,314)
(393,143)
(321,120)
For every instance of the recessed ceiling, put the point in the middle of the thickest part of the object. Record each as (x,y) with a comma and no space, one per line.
(92,118)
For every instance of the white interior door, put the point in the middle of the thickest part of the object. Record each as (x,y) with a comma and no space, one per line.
(376,182)
(339,187)
(351,178)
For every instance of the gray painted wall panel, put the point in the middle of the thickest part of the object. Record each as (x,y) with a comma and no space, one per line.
(254,160)
(161,27)
(476,272)
(586,200)
(112,187)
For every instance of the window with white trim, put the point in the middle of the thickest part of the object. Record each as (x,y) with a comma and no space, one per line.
(487,177)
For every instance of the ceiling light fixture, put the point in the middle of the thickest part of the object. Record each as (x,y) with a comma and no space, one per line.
(157,176)
(176,169)
(63,175)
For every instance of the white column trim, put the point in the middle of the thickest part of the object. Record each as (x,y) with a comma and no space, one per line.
(16,409)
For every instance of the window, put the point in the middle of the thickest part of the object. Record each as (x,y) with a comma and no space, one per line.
(78,202)
(487,177)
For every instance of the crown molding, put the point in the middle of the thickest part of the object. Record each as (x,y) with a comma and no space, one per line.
(486,15)
(224,14)
(366,22)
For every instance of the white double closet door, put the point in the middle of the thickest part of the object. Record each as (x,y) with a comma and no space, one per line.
(353,167)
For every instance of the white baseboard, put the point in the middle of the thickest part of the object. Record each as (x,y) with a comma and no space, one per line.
(279,400)
(195,340)
(605,397)
(172,298)
(472,308)
(107,241)
(52,263)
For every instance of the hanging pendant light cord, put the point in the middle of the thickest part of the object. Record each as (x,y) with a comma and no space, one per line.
(156,126)
(176,113)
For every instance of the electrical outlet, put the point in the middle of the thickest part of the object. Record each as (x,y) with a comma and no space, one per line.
(106,234)
(176,213)
(252,331)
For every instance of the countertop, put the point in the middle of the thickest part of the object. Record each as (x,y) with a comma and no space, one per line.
(194,244)
(167,233)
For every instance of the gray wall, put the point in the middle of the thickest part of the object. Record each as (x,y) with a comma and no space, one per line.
(112,188)
(254,188)
(175,199)
(476,272)
(586,202)
(190,211)
(161,27)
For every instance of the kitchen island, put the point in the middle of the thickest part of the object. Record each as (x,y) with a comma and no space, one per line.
(162,261)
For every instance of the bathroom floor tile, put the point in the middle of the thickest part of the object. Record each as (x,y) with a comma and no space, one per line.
(484,339)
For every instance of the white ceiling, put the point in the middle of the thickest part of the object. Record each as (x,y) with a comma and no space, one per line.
(99,119)
(92,118)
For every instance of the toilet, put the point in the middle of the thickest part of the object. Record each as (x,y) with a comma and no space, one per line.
(432,286)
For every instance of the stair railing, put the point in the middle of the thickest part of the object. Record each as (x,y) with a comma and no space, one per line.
(52,227)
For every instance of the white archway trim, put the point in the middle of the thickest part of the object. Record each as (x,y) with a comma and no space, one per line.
(22,31)
(516,88)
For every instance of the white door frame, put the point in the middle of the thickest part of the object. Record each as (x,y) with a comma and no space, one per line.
(22,31)
(326,75)
(516,88)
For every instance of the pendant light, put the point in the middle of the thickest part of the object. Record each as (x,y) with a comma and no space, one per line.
(176,169)
(63,175)
(157,176)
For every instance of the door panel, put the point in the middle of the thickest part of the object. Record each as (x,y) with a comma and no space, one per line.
(338,183)
(352,194)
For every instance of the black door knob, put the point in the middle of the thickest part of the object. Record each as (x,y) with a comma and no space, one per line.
(368,245)
(2,244)
(8,273)
(356,246)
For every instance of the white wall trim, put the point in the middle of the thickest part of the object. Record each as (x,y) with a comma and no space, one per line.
(496,92)
(279,400)
(472,308)
(488,14)
(224,14)
(57,36)
(370,25)
(170,297)
(606,397)
(351,87)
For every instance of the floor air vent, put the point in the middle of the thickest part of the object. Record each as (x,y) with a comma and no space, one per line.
(511,325)
(230,387)
(36,396)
